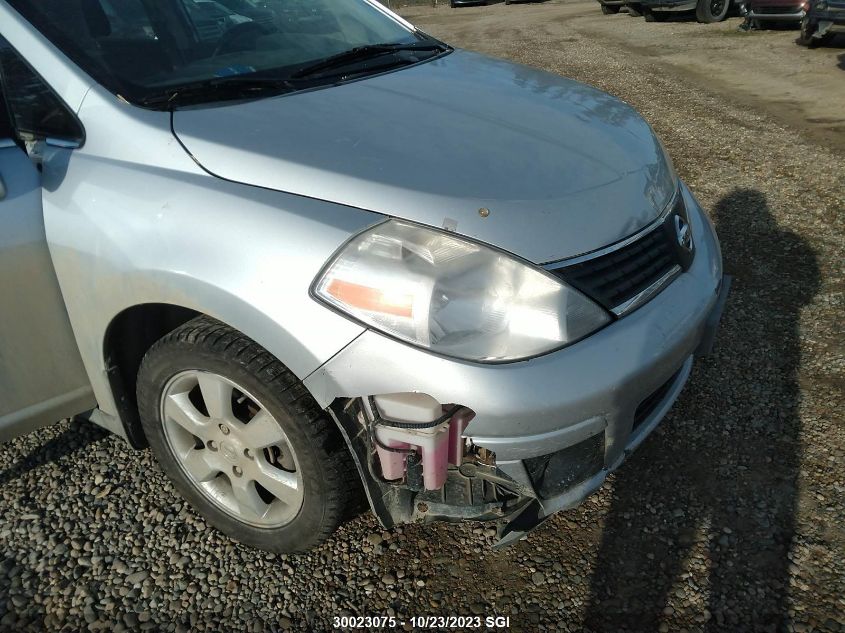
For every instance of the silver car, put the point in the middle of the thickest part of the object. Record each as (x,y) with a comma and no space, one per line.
(323,257)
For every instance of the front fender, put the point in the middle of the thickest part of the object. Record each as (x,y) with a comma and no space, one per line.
(122,233)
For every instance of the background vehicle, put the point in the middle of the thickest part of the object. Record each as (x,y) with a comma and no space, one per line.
(635,9)
(258,12)
(821,23)
(211,18)
(706,11)
(611,7)
(764,12)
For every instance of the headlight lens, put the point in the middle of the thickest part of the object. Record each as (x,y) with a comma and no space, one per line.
(453,296)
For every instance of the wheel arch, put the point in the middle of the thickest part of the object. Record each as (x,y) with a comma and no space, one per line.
(132,331)
(128,337)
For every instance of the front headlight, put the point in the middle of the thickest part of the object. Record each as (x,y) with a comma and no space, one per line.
(453,296)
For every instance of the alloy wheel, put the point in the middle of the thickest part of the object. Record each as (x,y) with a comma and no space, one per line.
(232,449)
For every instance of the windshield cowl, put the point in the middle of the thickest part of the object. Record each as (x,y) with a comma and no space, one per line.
(348,66)
(401,52)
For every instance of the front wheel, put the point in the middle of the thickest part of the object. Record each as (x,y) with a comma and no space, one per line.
(242,440)
(709,11)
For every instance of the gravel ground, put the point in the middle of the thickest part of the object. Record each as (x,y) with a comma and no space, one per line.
(729,518)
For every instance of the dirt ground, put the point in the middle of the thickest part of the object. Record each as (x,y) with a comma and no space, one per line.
(802,88)
(730,517)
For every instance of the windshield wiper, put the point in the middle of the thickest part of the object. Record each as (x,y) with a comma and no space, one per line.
(248,85)
(364,53)
(218,89)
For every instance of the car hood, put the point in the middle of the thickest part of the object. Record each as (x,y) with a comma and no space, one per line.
(563,168)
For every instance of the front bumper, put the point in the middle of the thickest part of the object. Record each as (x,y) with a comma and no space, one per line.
(646,418)
(831,20)
(776,14)
(547,404)
(829,26)
(670,5)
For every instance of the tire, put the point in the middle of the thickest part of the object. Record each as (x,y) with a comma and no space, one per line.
(635,10)
(710,11)
(294,447)
(808,30)
(805,38)
(610,9)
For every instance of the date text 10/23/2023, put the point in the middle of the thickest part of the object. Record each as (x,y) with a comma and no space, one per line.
(422,622)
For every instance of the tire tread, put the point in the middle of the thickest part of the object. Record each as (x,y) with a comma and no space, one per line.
(341,498)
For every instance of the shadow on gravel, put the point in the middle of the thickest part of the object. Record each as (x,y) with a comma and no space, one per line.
(715,491)
(10,572)
(79,435)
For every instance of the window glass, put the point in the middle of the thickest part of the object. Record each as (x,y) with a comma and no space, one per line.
(136,48)
(123,19)
(35,109)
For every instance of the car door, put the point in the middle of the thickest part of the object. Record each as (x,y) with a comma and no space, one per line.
(42,378)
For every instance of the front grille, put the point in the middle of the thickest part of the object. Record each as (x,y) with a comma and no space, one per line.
(777,11)
(781,10)
(553,474)
(617,276)
(651,402)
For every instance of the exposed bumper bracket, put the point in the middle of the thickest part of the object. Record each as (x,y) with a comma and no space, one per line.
(711,325)
(519,526)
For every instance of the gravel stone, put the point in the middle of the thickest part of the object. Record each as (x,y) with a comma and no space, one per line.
(137,577)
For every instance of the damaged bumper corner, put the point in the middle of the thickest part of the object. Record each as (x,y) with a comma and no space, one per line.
(545,433)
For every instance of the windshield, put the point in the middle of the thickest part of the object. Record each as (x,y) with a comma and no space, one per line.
(150,51)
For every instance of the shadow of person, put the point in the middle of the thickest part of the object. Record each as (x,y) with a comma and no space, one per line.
(703,515)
